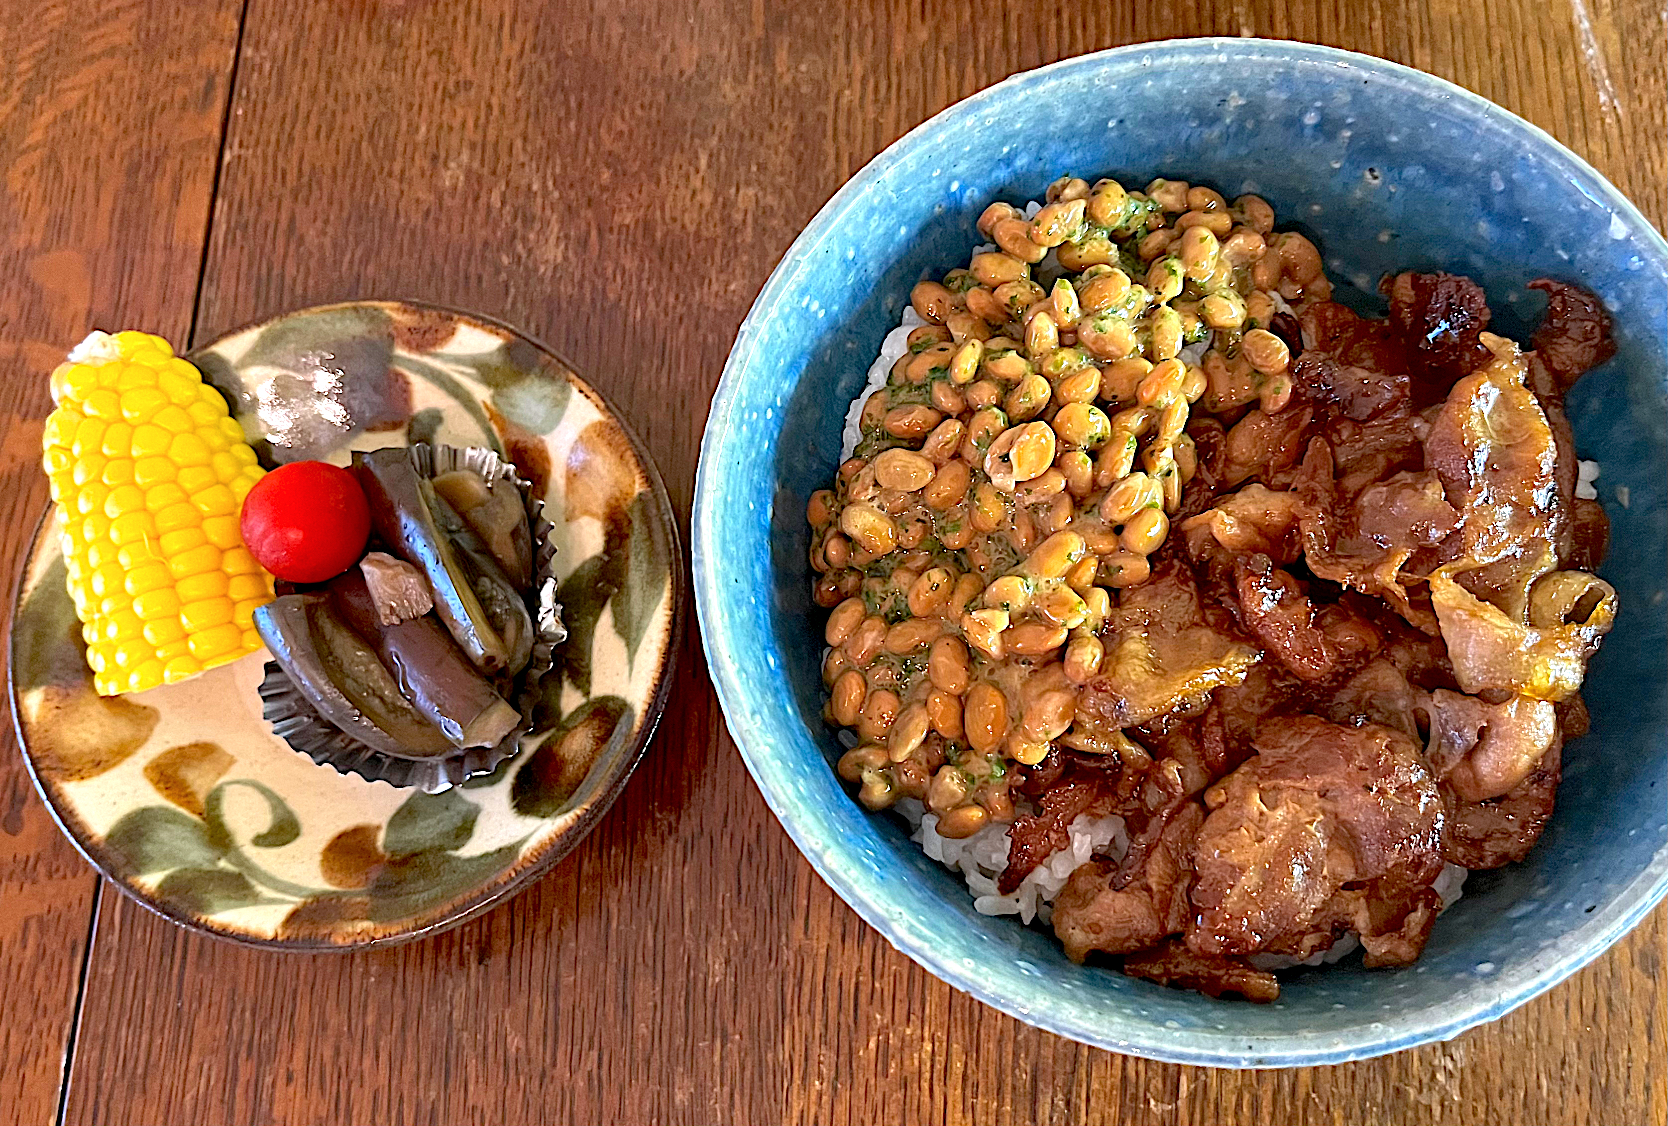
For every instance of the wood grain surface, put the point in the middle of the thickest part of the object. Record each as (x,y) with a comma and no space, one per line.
(619,178)
(110,122)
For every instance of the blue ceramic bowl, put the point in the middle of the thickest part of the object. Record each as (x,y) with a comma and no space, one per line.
(1386,168)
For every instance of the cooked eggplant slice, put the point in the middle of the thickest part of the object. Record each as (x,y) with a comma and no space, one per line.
(505,608)
(403,506)
(430,670)
(497,513)
(343,679)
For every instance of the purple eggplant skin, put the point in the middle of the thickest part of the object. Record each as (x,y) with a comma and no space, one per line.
(428,667)
(343,679)
(402,512)
(500,599)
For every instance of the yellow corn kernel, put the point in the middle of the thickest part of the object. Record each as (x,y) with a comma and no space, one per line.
(147,676)
(132,653)
(79,381)
(198,559)
(89,436)
(196,477)
(124,500)
(249,587)
(132,527)
(214,643)
(156,605)
(165,495)
(149,469)
(209,584)
(140,404)
(122,626)
(164,631)
(238,561)
(216,500)
(117,471)
(103,403)
(61,427)
(225,466)
(180,389)
(181,515)
(137,554)
(173,419)
(222,531)
(150,440)
(201,616)
(106,580)
(135,343)
(189,449)
(137,378)
(118,440)
(181,540)
(91,497)
(179,668)
(87,469)
(152,576)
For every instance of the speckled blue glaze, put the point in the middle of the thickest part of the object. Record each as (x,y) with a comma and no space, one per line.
(1387,168)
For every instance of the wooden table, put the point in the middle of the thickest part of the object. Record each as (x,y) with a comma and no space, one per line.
(619,178)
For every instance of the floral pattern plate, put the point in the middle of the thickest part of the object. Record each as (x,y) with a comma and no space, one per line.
(185,798)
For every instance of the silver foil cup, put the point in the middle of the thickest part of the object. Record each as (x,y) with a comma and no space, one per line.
(298,724)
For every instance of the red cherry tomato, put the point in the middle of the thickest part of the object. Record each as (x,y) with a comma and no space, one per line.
(306,521)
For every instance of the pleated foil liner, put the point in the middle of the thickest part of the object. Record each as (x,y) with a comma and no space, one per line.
(295,721)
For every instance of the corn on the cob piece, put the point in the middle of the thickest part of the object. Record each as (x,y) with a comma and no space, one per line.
(149,473)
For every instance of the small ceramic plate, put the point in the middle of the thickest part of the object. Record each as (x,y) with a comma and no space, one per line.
(183,795)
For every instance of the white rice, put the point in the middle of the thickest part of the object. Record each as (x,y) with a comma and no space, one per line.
(1586,473)
(981,858)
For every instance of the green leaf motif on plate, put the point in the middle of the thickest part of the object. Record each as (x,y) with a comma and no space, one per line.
(444,382)
(288,340)
(644,578)
(155,838)
(424,425)
(425,880)
(440,822)
(209,891)
(46,642)
(532,403)
(528,387)
(282,826)
(583,595)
